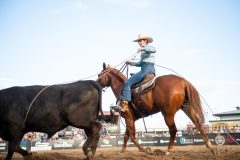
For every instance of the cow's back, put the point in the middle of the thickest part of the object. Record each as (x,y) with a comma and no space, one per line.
(85,107)
(58,106)
(13,105)
(75,104)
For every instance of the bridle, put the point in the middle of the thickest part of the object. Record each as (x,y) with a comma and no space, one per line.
(113,73)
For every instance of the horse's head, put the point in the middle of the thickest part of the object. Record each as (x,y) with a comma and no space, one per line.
(108,74)
(104,78)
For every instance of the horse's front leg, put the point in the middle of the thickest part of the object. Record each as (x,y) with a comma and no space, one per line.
(126,138)
(135,141)
(130,126)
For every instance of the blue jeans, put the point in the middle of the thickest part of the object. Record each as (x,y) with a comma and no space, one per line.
(126,91)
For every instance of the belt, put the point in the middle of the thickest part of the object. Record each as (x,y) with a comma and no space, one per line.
(147,63)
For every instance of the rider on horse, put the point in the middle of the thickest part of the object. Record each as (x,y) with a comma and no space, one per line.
(147,66)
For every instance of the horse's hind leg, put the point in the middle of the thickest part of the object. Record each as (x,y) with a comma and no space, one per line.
(169,119)
(190,112)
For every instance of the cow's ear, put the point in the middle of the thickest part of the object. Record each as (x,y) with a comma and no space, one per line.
(104,66)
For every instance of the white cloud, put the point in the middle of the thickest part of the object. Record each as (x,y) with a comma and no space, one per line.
(133,3)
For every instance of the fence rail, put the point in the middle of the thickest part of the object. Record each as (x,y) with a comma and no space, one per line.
(184,139)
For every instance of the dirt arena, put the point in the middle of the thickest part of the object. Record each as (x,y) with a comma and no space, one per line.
(224,152)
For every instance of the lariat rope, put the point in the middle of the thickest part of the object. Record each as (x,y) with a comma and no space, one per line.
(33,102)
(89,77)
(123,62)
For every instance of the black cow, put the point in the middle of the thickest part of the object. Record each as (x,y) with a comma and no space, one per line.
(76,104)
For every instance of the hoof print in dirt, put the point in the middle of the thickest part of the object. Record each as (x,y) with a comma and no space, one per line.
(148,151)
(159,152)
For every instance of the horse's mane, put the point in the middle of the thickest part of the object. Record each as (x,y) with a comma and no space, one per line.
(118,73)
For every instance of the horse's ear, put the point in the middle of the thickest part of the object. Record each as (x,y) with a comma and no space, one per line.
(104,66)
(108,66)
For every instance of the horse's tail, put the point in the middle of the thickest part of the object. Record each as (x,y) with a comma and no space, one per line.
(192,100)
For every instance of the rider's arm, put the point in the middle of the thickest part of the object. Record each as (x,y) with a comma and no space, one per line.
(135,63)
(149,49)
(145,53)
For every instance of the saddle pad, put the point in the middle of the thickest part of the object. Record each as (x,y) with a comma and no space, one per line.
(142,88)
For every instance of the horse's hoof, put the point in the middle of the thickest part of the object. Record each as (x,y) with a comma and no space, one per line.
(214,151)
(166,153)
(123,150)
(209,144)
(170,149)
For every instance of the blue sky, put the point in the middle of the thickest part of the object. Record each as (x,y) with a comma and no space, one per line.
(57,41)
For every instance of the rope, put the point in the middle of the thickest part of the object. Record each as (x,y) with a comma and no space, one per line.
(25,119)
(34,101)
(126,125)
(123,62)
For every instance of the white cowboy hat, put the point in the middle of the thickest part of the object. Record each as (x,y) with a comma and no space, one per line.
(144,36)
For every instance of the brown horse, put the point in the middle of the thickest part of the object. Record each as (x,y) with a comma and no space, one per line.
(170,94)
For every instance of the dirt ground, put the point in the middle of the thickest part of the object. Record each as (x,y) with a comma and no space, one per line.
(224,152)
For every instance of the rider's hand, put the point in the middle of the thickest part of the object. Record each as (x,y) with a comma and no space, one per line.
(128,62)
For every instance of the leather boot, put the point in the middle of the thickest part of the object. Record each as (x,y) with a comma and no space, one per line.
(124,106)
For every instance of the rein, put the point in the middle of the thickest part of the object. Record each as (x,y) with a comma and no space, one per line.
(124,66)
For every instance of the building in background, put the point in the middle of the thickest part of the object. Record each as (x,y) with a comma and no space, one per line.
(226,121)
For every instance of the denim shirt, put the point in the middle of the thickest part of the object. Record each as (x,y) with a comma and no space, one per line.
(147,55)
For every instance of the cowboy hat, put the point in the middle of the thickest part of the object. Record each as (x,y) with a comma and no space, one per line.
(144,36)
